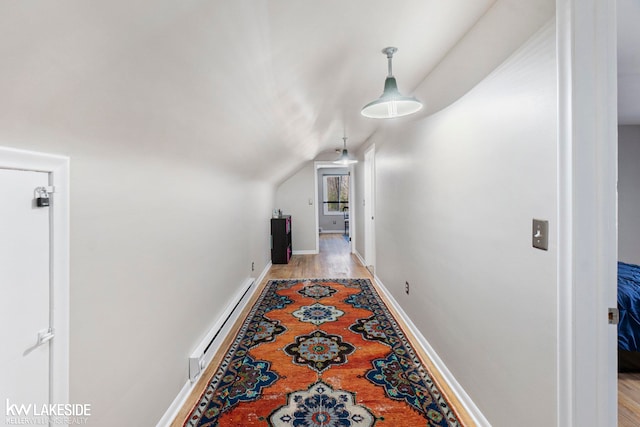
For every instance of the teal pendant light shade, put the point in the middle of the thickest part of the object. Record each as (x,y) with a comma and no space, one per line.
(391,103)
(345,158)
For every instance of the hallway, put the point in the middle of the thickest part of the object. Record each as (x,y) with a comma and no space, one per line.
(336,262)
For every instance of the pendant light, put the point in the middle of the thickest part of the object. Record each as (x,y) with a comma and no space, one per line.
(345,158)
(391,103)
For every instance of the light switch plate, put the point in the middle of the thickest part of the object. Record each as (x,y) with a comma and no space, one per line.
(540,234)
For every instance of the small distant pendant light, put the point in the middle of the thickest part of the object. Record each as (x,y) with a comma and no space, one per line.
(391,103)
(345,158)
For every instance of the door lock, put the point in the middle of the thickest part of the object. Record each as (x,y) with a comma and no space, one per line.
(42,197)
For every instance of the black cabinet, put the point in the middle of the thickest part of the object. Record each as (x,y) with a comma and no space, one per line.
(281,239)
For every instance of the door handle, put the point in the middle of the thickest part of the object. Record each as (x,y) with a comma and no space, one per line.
(45,336)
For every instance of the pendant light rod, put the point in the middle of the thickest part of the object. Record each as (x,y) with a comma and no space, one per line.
(389,51)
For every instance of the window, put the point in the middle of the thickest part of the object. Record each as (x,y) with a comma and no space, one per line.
(335,194)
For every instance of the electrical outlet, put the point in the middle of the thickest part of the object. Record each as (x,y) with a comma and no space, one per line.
(253,266)
(406,287)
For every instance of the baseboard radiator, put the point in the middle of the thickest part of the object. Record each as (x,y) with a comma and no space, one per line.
(202,355)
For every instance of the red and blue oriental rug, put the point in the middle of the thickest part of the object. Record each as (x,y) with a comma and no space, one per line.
(321,353)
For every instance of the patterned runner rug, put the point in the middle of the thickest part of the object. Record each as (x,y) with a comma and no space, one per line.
(321,353)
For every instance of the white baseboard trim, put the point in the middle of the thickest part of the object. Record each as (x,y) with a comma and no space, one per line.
(364,264)
(305,252)
(471,408)
(332,231)
(179,401)
(262,275)
(176,405)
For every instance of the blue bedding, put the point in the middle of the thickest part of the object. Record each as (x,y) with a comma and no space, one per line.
(629,306)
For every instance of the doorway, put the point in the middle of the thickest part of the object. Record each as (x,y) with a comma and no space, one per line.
(628,276)
(334,220)
(34,275)
(369,202)
(628,81)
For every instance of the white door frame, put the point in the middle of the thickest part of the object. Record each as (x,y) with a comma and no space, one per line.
(587,223)
(320,164)
(58,169)
(369,208)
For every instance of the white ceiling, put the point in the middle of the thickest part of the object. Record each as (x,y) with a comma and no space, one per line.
(629,62)
(257,86)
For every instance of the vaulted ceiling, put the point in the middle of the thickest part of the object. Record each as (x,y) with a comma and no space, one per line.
(255,86)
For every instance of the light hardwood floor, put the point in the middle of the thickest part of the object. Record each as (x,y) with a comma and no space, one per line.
(629,399)
(333,262)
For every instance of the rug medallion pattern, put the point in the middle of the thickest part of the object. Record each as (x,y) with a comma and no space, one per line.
(318,314)
(319,350)
(321,353)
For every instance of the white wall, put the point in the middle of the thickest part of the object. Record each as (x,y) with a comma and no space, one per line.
(157,249)
(629,194)
(151,271)
(455,196)
(261,195)
(292,197)
(161,232)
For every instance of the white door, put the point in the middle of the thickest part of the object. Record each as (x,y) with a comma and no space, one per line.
(351,219)
(24,290)
(369,209)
